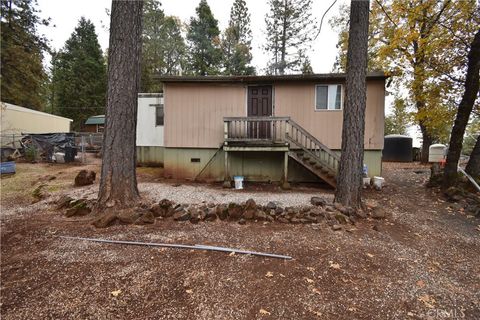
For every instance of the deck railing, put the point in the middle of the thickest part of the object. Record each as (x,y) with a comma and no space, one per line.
(278,130)
(255,129)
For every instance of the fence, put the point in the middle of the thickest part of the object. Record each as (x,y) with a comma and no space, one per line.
(85,142)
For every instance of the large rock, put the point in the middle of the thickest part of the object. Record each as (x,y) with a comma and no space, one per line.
(85,178)
(250,204)
(162,209)
(64,202)
(271,205)
(146,217)
(129,216)
(317,201)
(181,215)
(211,215)
(80,207)
(378,213)
(235,211)
(260,215)
(249,214)
(222,211)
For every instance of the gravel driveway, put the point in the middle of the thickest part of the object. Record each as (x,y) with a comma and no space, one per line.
(198,193)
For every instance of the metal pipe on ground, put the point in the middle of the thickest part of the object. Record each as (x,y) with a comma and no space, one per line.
(182,246)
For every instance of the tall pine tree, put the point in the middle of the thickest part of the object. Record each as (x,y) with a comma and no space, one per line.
(237,40)
(174,48)
(79,76)
(289,33)
(205,55)
(152,53)
(163,47)
(22,48)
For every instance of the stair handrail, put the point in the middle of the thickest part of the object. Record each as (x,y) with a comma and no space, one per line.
(315,140)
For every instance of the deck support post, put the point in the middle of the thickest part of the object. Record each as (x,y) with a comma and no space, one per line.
(226,179)
(285,184)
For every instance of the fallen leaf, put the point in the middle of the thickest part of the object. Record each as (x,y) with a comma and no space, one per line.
(282,275)
(232,254)
(116,293)
(352,309)
(370,255)
(311,269)
(269,274)
(315,290)
(420,283)
(264,312)
(428,301)
(309,280)
(189,291)
(410,314)
(334,265)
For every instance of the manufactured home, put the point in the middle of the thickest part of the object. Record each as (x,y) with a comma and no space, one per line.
(266,128)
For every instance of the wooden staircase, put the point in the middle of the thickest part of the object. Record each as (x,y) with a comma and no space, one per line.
(312,154)
(282,134)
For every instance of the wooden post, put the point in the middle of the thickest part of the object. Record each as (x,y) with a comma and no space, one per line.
(226,179)
(285,184)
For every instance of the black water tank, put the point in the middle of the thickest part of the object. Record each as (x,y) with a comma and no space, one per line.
(397,148)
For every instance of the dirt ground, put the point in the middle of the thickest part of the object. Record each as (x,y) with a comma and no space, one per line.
(422,262)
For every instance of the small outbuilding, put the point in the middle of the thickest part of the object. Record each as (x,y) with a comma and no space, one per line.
(397,148)
(95,124)
(16,119)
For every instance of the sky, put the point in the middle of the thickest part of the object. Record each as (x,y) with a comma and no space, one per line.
(65,14)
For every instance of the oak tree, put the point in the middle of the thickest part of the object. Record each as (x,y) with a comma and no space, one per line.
(472,85)
(424,45)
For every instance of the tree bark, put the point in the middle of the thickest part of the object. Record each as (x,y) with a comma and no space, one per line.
(427,141)
(118,184)
(349,182)
(472,85)
(473,165)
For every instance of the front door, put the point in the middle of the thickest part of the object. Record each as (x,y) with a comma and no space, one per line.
(259,105)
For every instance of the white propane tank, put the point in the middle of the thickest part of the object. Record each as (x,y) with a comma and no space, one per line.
(436,152)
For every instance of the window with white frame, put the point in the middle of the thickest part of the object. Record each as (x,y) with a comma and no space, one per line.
(328,97)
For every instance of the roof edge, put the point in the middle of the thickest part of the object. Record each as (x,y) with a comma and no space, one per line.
(378,75)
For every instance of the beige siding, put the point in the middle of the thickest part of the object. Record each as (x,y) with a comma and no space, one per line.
(298,102)
(15,120)
(194,113)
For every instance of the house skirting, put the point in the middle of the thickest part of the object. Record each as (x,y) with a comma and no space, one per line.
(153,156)
(209,165)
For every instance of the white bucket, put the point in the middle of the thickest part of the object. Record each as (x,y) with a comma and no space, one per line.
(366,182)
(378,182)
(238,182)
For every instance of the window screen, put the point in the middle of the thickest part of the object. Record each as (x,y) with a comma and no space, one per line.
(328,97)
(322,97)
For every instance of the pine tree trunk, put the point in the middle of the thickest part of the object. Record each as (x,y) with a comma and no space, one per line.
(349,182)
(472,85)
(473,165)
(118,184)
